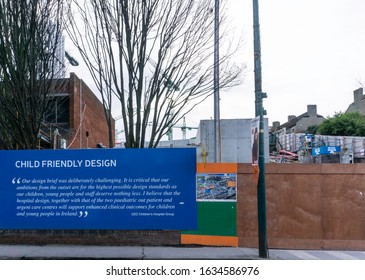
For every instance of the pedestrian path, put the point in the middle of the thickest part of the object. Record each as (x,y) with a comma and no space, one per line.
(316,255)
(73,252)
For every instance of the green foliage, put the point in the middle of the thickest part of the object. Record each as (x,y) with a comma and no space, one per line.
(312,129)
(343,124)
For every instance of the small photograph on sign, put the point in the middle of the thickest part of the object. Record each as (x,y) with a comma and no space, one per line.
(216,187)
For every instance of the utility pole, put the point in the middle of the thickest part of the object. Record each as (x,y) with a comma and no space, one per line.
(217,134)
(259,111)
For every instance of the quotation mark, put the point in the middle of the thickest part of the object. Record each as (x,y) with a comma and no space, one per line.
(16,180)
(83,214)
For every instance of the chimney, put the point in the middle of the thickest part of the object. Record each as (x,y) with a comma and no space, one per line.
(275,125)
(312,110)
(358,94)
(291,117)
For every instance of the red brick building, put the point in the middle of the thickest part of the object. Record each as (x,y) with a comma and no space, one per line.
(76,119)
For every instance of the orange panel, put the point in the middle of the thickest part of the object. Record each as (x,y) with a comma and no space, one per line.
(216,168)
(209,240)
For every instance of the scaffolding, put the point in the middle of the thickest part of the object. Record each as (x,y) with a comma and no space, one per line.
(303,144)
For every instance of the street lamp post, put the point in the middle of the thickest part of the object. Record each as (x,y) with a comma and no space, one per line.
(259,111)
(217,136)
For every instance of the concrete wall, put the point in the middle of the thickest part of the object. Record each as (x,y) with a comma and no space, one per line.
(236,140)
(308,206)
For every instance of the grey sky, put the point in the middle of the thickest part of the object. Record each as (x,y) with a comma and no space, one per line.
(313,52)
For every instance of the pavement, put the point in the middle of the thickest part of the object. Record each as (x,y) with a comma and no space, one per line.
(76,252)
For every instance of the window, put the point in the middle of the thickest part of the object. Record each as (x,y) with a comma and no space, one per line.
(59,109)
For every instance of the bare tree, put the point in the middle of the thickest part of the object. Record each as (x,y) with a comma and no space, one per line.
(155,56)
(29,35)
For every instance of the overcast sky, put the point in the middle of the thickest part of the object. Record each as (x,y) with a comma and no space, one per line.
(312,52)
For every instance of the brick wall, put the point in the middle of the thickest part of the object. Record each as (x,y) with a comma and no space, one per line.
(86,114)
(91,237)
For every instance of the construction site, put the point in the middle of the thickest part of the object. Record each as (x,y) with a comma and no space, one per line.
(309,148)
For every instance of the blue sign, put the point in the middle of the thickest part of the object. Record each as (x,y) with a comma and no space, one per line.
(98,189)
(326,150)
